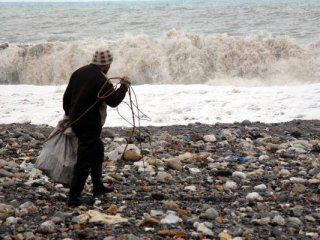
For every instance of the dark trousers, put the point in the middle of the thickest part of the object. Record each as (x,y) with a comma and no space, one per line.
(90,156)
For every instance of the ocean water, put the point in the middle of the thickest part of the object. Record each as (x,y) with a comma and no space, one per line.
(217,42)
(189,61)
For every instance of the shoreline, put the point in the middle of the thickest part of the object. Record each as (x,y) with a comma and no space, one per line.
(247,180)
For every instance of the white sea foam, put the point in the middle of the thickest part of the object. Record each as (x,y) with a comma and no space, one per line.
(173,104)
(176,58)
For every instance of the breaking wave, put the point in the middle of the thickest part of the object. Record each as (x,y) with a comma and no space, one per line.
(176,58)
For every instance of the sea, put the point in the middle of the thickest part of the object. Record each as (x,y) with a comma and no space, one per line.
(189,61)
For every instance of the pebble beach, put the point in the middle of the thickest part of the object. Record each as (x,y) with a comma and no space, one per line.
(246,180)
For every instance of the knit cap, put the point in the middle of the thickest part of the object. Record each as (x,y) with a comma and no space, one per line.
(102,58)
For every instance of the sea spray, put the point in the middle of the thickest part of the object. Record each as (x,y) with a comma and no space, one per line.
(176,58)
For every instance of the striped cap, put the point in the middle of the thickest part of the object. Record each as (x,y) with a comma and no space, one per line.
(102,58)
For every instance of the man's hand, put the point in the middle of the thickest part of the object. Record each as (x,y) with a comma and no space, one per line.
(125,80)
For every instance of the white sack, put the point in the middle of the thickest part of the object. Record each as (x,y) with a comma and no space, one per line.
(59,155)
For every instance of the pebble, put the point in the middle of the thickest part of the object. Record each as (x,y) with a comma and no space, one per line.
(254,196)
(279,220)
(164,177)
(209,138)
(240,175)
(211,214)
(192,186)
(47,227)
(202,228)
(27,208)
(230,185)
(294,222)
(260,188)
(6,211)
(171,218)
(175,164)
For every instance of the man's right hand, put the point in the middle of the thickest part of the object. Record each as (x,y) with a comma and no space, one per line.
(125,80)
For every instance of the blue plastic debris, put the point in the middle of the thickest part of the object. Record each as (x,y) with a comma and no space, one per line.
(239,158)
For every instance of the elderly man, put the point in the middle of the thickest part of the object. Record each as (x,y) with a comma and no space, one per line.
(82,90)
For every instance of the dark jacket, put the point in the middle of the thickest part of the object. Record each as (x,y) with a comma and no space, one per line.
(81,93)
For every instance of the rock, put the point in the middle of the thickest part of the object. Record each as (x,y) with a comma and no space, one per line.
(238,174)
(3,163)
(171,218)
(175,164)
(209,138)
(12,220)
(264,158)
(144,166)
(226,134)
(6,211)
(130,236)
(298,188)
(170,205)
(230,185)
(260,188)
(27,208)
(47,227)
(284,173)
(211,214)
(164,177)
(298,180)
(246,123)
(261,221)
(224,236)
(194,170)
(191,188)
(87,234)
(279,220)
(202,228)
(294,222)
(276,232)
(254,196)
(5,173)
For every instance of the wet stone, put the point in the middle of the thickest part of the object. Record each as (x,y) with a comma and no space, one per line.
(210,193)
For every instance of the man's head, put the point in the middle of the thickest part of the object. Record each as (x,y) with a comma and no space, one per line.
(103,59)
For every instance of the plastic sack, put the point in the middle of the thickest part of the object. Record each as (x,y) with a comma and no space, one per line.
(59,154)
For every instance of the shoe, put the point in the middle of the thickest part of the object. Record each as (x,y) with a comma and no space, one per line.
(74,202)
(102,190)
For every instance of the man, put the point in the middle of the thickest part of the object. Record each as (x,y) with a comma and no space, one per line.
(82,90)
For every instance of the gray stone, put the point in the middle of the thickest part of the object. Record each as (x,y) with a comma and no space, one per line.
(238,174)
(202,228)
(276,231)
(27,208)
(6,211)
(5,173)
(209,138)
(211,214)
(3,163)
(260,188)
(294,222)
(279,220)
(230,185)
(47,227)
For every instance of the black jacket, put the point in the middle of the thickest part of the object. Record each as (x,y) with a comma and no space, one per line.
(81,93)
